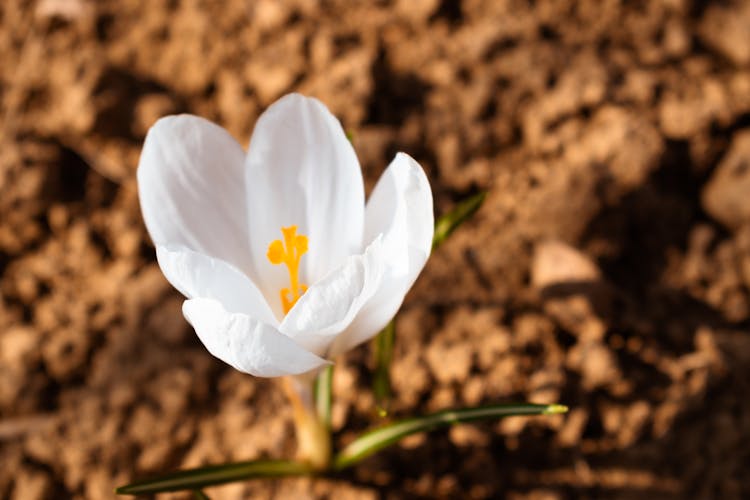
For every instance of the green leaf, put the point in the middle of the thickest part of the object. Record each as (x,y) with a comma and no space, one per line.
(323,396)
(199,495)
(375,440)
(383,354)
(446,224)
(194,479)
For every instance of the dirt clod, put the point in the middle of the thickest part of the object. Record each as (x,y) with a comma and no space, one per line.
(726,194)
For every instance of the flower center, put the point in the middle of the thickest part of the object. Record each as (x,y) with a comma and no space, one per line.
(288,253)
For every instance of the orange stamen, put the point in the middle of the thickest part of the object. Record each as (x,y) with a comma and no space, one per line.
(289,253)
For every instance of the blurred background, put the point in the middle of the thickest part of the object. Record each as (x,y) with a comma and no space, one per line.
(609,268)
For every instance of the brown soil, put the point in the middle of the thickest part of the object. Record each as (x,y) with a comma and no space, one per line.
(609,268)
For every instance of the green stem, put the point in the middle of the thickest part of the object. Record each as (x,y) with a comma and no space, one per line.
(313,435)
(383,353)
(323,396)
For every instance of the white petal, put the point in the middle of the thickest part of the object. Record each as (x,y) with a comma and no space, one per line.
(303,171)
(400,208)
(197,275)
(191,179)
(330,305)
(248,345)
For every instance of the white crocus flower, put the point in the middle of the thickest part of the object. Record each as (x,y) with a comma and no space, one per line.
(282,263)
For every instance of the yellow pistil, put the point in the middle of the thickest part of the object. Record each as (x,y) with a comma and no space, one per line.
(289,253)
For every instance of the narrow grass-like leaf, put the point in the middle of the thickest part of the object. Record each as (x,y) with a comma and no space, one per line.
(194,479)
(375,440)
(383,354)
(446,224)
(323,395)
